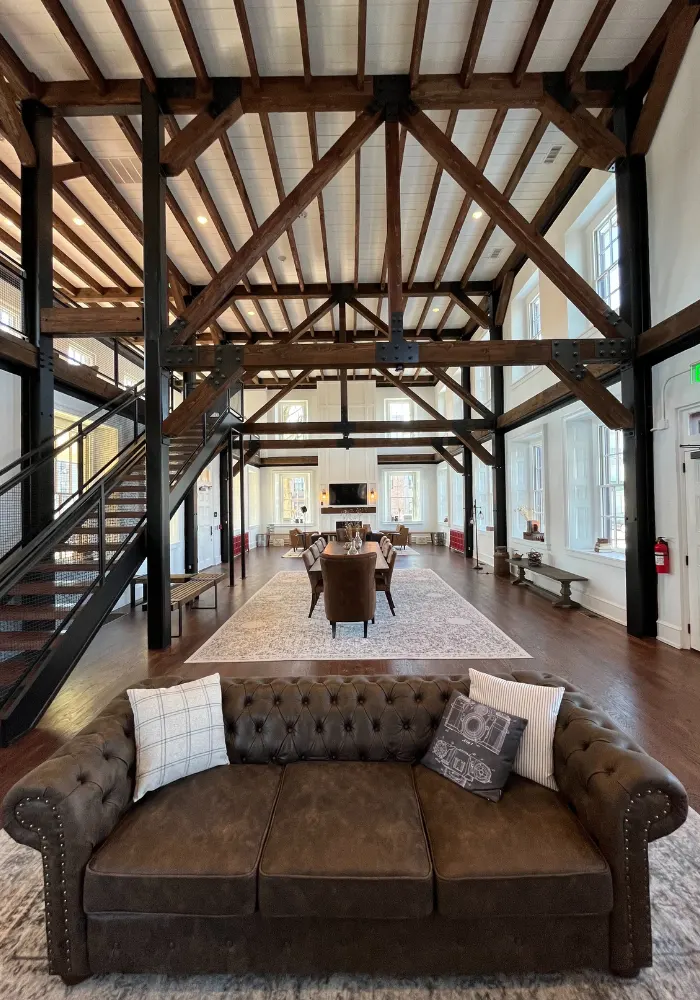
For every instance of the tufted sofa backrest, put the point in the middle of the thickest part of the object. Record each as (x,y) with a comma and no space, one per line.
(288,719)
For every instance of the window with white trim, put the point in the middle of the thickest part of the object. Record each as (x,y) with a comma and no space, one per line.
(606,255)
(457,518)
(76,356)
(595,485)
(293,411)
(534,318)
(527,484)
(398,409)
(482,385)
(292,492)
(443,510)
(402,496)
(483,494)
(252,496)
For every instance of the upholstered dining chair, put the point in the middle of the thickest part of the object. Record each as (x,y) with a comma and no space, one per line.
(296,539)
(348,588)
(385,545)
(383,577)
(403,536)
(315,578)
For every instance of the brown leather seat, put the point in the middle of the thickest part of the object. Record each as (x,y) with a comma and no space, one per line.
(349,593)
(296,539)
(385,545)
(204,832)
(383,577)
(527,854)
(346,840)
(309,557)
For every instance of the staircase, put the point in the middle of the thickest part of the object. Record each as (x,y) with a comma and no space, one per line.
(58,589)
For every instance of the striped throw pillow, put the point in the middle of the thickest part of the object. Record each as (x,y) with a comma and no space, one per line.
(538,704)
(178,731)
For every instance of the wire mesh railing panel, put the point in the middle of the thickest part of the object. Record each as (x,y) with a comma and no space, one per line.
(10,301)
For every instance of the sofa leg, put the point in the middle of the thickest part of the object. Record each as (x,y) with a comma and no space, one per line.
(74,980)
(626,973)
(365,630)
(333,629)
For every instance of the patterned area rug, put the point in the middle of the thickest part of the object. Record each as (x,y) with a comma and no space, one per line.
(408,551)
(432,622)
(292,554)
(675,896)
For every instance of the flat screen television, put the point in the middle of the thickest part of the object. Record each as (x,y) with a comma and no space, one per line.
(348,494)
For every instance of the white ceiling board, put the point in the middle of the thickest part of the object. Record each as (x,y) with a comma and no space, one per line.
(332,28)
(275,31)
(390,28)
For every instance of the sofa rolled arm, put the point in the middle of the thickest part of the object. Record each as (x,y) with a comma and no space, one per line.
(625,799)
(65,808)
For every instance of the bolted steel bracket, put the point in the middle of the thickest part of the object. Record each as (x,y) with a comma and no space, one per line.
(393,94)
(567,354)
(398,351)
(228,358)
(614,349)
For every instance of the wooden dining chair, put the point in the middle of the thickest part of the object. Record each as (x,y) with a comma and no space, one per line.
(403,536)
(383,578)
(315,578)
(295,539)
(348,588)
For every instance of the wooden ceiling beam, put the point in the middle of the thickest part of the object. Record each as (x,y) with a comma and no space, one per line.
(448,457)
(22,81)
(313,139)
(275,429)
(281,193)
(189,38)
(433,92)
(304,41)
(131,37)
(359,442)
(361,43)
(481,16)
(481,163)
(212,299)
(428,214)
(643,61)
(593,28)
(504,294)
(597,398)
(12,126)
(59,322)
(248,46)
(270,403)
(367,314)
(365,290)
(601,146)
(385,262)
(314,317)
(196,137)
(672,53)
(418,36)
(475,404)
(392,162)
(496,205)
(75,43)
(471,308)
(539,19)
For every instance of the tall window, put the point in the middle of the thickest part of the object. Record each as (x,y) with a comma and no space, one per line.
(527,484)
(606,254)
(443,511)
(612,487)
(292,492)
(457,517)
(397,409)
(483,495)
(534,320)
(402,496)
(293,411)
(482,385)
(253,496)
(76,356)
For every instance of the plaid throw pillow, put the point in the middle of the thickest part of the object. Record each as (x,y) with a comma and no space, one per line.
(178,731)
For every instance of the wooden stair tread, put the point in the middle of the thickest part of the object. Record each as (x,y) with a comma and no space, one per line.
(66,567)
(29,612)
(24,640)
(46,587)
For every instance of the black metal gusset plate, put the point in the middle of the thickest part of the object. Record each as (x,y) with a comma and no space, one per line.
(398,351)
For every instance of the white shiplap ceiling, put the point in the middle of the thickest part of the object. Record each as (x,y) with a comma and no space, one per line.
(333,49)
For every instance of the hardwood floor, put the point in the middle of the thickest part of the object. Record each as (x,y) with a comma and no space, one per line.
(651,690)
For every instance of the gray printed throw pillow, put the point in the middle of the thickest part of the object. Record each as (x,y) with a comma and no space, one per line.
(179,730)
(475,746)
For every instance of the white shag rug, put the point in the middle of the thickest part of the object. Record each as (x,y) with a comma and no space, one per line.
(675,975)
(432,622)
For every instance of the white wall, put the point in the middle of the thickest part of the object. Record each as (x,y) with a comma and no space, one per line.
(674,225)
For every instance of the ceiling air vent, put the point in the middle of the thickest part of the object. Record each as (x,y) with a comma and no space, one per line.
(495,253)
(553,153)
(122,169)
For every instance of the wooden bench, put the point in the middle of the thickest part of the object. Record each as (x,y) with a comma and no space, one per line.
(184,589)
(552,573)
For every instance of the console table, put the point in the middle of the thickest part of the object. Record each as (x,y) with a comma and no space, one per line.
(552,573)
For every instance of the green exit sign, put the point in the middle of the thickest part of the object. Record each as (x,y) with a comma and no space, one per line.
(695,372)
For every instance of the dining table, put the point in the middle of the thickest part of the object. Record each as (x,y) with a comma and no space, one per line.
(338,549)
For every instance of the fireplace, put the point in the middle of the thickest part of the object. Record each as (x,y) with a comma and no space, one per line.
(339,525)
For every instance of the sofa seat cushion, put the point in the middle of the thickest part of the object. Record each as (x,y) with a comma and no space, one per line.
(190,847)
(527,854)
(346,840)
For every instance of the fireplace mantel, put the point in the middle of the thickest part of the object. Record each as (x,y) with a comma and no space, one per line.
(348,510)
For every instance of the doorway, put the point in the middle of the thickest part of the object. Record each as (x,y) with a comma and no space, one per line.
(692,508)
(206,529)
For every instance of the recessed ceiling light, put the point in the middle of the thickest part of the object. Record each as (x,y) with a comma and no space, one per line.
(251,312)
(281,257)
(202,220)
(78,221)
(436,309)
(477,214)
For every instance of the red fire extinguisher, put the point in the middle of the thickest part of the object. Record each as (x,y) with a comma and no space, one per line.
(661,556)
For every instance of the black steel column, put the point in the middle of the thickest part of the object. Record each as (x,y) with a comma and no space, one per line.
(635,309)
(467,461)
(37,261)
(155,322)
(190,503)
(241,484)
(229,459)
(224,476)
(500,519)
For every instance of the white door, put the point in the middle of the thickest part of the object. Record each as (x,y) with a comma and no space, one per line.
(205,521)
(692,493)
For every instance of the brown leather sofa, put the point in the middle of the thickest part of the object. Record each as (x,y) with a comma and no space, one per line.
(325,847)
